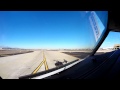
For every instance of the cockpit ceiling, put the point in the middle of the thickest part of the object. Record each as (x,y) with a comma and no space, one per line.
(114,21)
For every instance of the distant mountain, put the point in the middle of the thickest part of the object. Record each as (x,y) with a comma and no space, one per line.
(6,47)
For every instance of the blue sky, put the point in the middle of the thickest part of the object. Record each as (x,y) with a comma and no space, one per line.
(113,38)
(46,29)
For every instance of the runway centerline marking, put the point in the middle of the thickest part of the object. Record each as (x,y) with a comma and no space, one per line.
(39,66)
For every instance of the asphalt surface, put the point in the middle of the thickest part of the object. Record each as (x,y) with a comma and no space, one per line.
(15,66)
(53,56)
(12,67)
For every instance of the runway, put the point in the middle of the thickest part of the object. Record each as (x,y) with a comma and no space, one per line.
(12,67)
(15,66)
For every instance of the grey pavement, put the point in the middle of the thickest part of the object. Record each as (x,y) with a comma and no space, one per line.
(12,67)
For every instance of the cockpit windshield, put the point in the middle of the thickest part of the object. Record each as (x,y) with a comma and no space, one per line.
(36,41)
